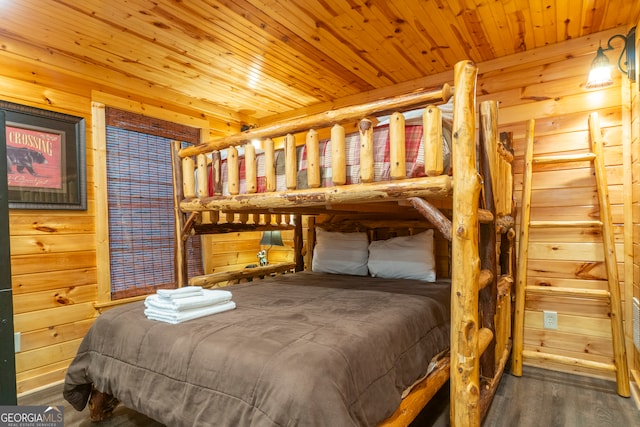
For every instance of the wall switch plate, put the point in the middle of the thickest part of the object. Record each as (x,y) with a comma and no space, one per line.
(550,320)
(16,342)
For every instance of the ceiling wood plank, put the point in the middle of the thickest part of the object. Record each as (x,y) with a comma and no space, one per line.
(246,61)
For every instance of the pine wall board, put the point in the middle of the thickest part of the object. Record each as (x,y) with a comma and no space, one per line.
(53,253)
(634,136)
(555,97)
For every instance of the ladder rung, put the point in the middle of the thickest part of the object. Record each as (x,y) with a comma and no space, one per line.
(485,335)
(485,216)
(608,244)
(569,360)
(505,283)
(486,277)
(567,224)
(573,292)
(564,158)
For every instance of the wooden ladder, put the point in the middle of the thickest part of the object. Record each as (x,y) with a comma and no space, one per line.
(606,226)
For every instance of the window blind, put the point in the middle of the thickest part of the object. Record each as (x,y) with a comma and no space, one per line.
(140,200)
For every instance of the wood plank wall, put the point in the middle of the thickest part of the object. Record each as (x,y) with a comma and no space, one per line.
(53,258)
(634,131)
(55,272)
(234,251)
(550,90)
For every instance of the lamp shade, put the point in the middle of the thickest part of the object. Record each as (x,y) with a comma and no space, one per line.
(600,73)
(271,238)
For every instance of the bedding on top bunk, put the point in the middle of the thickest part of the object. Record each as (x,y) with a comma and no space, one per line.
(414,146)
(303,349)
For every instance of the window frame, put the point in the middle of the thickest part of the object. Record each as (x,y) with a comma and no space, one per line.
(99,142)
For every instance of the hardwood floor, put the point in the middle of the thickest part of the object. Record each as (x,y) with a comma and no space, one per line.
(557,399)
(545,398)
(538,398)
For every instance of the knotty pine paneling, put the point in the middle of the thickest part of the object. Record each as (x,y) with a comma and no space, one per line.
(541,338)
(233,251)
(60,297)
(44,337)
(24,224)
(580,270)
(33,379)
(262,58)
(35,282)
(33,320)
(634,135)
(567,283)
(53,252)
(32,359)
(556,99)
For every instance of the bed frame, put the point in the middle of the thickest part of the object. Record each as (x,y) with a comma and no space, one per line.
(473,209)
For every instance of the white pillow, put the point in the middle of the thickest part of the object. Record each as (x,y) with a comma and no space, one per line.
(409,257)
(340,253)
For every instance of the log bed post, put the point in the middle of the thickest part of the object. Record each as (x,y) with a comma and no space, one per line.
(233,171)
(202,189)
(216,185)
(216,172)
(338,156)
(432,137)
(475,279)
(298,242)
(523,258)
(465,387)
(180,244)
(489,168)
(250,168)
(290,162)
(269,165)
(397,150)
(313,159)
(311,242)
(366,150)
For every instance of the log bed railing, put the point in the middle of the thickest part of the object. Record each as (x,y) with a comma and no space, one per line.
(481,229)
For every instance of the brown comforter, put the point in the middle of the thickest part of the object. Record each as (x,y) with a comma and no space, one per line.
(302,349)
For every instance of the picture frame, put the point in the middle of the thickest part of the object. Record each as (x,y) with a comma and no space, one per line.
(46,160)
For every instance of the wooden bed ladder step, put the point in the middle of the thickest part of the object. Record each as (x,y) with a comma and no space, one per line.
(606,227)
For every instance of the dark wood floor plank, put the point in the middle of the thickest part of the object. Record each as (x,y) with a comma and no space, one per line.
(548,398)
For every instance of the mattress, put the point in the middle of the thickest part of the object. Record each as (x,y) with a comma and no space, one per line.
(414,156)
(300,349)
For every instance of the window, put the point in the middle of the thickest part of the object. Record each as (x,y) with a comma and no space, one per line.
(140,199)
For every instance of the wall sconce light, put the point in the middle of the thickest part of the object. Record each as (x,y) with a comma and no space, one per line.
(600,73)
(269,238)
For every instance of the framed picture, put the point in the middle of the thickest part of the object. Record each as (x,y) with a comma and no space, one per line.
(45,158)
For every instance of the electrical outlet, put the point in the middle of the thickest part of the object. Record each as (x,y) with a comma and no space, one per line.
(550,320)
(16,342)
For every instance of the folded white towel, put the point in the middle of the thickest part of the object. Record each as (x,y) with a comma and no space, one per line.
(187,291)
(174,317)
(207,297)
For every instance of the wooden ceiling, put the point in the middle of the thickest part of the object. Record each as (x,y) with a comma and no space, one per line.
(238,59)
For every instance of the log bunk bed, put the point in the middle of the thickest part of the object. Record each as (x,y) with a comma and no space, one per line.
(472,210)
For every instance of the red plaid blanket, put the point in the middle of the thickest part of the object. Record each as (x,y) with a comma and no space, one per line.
(414,160)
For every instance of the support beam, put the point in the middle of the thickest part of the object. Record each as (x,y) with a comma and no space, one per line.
(181,273)
(434,215)
(325,119)
(209,280)
(437,187)
(465,378)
